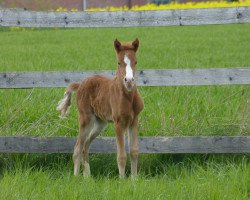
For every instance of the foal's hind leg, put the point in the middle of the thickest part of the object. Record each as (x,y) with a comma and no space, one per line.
(86,124)
(98,126)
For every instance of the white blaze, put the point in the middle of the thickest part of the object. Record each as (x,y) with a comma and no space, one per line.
(129,71)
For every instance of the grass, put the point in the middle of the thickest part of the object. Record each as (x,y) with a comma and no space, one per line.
(206,110)
(169,111)
(92,48)
(204,184)
(176,177)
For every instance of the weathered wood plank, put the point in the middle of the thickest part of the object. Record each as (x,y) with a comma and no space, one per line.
(87,19)
(175,77)
(13,17)
(243,14)
(196,144)
(202,144)
(209,16)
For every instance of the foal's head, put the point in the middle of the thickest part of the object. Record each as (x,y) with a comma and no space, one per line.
(126,62)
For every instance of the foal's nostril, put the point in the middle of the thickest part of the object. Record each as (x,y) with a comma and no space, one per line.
(129,79)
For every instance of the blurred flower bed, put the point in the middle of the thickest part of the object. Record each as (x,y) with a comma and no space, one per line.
(189,5)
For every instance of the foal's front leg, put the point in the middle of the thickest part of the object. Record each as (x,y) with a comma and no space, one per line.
(121,152)
(133,146)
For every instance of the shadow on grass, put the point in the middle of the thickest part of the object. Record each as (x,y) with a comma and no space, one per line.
(104,165)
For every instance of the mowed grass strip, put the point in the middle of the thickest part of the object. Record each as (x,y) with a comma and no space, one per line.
(192,110)
(92,48)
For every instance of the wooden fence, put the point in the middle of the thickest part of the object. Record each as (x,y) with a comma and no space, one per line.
(14,17)
(194,144)
(215,76)
(174,77)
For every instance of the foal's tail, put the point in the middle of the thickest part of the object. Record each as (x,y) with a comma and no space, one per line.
(64,104)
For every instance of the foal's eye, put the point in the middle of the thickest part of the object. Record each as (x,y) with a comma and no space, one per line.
(119,63)
(135,62)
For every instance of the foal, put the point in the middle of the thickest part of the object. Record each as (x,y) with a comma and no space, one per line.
(101,100)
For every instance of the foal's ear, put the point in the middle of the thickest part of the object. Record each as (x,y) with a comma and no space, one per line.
(117,45)
(135,44)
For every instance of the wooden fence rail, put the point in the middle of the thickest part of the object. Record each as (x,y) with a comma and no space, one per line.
(17,17)
(174,77)
(176,145)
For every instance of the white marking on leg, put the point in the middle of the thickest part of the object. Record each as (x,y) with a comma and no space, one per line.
(129,71)
(86,171)
(77,157)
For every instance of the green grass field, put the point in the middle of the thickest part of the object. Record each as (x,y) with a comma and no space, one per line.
(169,111)
(161,177)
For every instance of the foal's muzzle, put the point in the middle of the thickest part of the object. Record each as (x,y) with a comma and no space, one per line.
(129,83)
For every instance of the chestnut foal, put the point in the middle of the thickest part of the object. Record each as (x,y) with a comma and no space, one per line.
(101,100)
